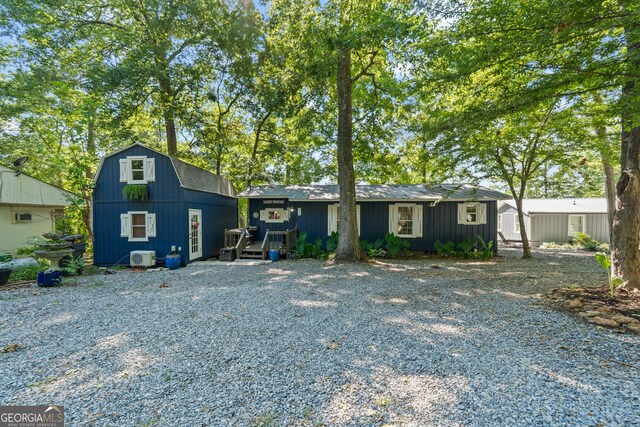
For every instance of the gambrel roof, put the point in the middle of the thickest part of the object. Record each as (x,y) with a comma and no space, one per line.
(191,177)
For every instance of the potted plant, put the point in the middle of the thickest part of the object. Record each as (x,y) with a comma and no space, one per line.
(54,250)
(135,192)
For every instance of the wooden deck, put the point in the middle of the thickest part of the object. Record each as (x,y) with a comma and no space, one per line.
(241,240)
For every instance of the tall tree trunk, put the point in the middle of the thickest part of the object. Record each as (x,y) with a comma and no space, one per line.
(609,178)
(256,144)
(169,114)
(348,249)
(526,248)
(87,214)
(626,222)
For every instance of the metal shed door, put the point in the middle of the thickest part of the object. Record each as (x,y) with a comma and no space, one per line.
(195,234)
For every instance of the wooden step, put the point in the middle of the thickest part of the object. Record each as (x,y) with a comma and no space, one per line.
(248,256)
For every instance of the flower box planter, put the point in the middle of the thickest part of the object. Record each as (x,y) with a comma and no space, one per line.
(136,192)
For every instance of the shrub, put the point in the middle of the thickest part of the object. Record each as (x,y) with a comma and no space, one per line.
(393,245)
(444,248)
(485,250)
(332,241)
(467,247)
(305,249)
(28,273)
(586,242)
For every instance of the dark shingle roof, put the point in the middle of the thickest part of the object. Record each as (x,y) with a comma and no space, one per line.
(376,192)
(195,178)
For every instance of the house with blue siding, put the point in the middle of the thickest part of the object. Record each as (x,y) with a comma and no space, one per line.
(421,214)
(174,204)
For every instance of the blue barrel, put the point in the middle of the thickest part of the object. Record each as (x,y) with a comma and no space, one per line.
(173,261)
(274,254)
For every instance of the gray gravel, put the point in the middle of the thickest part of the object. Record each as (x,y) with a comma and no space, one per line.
(302,343)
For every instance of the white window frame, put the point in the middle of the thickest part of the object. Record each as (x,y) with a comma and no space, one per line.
(332,218)
(16,214)
(284,215)
(583,223)
(148,170)
(146,234)
(130,179)
(516,224)
(126,226)
(481,213)
(417,220)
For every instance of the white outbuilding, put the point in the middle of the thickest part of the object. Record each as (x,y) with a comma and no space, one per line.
(28,208)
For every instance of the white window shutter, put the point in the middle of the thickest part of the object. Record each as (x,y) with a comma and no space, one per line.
(263,215)
(358,217)
(418,220)
(124,225)
(482,213)
(392,219)
(462,213)
(124,170)
(150,169)
(330,221)
(151,225)
(285,214)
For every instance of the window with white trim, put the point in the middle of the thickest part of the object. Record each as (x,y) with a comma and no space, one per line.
(405,219)
(576,224)
(137,170)
(472,213)
(19,217)
(274,215)
(138,226)
(516,224)
(333,218)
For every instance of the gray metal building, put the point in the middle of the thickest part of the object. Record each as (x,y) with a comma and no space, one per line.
(555,220)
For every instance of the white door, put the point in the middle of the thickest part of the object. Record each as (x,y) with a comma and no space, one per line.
(195,234)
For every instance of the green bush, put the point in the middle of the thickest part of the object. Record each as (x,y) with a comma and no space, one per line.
(586,242)
(393,245)
(305,249)
(485,249)
(73,267)
(28,273)
(444,248)
(467,247)
(332,241)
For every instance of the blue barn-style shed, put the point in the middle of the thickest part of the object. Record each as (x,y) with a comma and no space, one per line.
(421,214)
(187,207)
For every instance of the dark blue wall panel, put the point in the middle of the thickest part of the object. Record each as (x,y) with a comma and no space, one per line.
(218,213)
(440,222)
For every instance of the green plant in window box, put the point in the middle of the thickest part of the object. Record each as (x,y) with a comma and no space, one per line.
(136,192)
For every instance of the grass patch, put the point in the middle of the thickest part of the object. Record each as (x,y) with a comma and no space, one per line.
(264,420)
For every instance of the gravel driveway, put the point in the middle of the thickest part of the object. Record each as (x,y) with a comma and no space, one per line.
(302,343)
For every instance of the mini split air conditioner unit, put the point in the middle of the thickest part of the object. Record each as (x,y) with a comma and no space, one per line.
(142,258)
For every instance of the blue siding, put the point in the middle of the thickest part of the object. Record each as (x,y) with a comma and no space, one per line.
(218,213)
(440,222)
(168,200)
